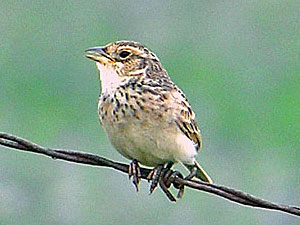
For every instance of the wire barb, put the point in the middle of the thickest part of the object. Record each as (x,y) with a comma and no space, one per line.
(168,177)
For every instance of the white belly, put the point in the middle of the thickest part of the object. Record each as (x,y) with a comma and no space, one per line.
(150,144)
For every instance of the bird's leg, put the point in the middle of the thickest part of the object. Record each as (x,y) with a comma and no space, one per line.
(154,177)
(165,180)
(164,177)
(192,174)
(180,187)
(165,183)
(135,172)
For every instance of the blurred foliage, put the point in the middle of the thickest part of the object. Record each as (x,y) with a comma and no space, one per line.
(238,63)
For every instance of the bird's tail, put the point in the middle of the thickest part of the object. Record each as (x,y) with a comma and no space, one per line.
(200,173)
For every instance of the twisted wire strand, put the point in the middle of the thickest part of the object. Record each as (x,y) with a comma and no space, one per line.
(243,198)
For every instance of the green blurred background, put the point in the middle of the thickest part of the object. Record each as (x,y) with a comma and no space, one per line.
(238,63)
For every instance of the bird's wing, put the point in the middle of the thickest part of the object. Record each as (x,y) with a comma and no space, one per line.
(167,95)
(185,117)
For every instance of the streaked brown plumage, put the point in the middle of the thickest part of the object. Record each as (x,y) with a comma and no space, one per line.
(145,115)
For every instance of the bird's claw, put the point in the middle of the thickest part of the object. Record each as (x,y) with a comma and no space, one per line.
(154,177)
(165,178)
(159,175)
(165,183)
(135,172)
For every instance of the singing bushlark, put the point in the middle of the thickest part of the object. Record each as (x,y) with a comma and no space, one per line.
(145,115)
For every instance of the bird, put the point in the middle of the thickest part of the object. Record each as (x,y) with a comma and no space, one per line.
(146,117)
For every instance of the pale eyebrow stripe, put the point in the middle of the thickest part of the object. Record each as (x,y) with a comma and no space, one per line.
(132,49)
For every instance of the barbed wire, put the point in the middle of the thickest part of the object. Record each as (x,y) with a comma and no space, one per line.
(168,178)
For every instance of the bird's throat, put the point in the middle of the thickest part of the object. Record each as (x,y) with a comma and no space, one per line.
(109,78)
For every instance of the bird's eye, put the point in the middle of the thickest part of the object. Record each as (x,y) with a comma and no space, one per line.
(124,54)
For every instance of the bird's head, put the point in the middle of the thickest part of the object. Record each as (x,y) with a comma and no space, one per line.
(126,58)
(121,61)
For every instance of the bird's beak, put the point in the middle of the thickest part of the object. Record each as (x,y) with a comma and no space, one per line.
(98,54)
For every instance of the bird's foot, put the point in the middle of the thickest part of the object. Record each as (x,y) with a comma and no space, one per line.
(167,179)
(188,177)
(135,173)
(154,177)
(161,175)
